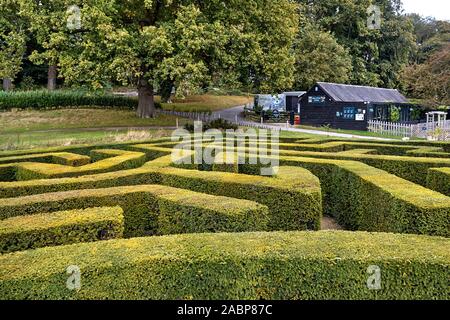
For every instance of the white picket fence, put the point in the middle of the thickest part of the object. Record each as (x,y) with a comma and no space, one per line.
(391,128)
(420,130)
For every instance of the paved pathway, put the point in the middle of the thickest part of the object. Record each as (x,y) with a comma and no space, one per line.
(236,113)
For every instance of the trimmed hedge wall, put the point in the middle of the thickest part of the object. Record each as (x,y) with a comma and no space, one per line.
(55,99)
(59,228)
(414,169)
(121,160)
(359,196)
(85,149)
(432,152)
(248,266)
(8,170)
(365,198)
(332,146)
(7,173)
(444,145)
(64,158)
(293,197)
(294,201)
(439,180)
(151,209)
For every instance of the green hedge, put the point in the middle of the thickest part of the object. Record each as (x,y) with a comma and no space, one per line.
(366,198)
(151,209)
(439,180)
(7,173)
(431,152)
(414,169)
(55,99)
(223,164)
(411,168)
(247,266)
(413,144)
(334,146)
(59,228)
(64,158)
(116,160)
(293,197)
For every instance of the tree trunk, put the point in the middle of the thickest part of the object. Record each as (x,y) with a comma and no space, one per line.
(7,84)
(51,80)
(166,90)
(146,107)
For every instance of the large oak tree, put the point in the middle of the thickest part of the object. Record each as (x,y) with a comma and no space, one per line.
(191,44)
(12,41)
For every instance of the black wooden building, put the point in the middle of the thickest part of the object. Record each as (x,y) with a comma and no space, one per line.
(351,107)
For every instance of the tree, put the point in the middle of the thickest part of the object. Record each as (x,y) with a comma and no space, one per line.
(431,36)
(188,43)
(377,54)
(430,80)
(47,18)
(319,58)
(12,41)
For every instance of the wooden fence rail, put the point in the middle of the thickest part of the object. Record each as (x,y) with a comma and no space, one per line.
(421,130)
(200,116)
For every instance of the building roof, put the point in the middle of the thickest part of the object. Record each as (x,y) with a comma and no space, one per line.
(294,93)
(351,93)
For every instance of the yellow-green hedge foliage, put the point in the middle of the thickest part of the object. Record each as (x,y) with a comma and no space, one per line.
(272,266)
(151,209)
(293,197)
(439,180)
(362,197)
(59,228)
(414,169)
(65,158)
(117,160)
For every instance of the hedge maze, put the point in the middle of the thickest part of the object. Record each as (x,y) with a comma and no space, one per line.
(139,226)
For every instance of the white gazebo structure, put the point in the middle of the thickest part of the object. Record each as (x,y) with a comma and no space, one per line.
(437,125)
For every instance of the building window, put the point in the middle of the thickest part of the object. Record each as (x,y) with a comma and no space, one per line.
(349,113)
(316,99)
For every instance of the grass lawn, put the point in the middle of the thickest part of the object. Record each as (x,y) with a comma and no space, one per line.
(40,128)
(206,103)
(29,120)
(34,129)
(30,140)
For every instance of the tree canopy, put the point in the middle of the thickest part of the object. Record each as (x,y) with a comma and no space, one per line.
(263,46)
(430,80)
(427,77)
(377,54)
(12,41)
(192,44)
(318,57)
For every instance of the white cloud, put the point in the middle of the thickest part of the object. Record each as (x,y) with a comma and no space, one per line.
(439,9)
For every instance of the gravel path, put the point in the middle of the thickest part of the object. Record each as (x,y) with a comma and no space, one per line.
(329,223)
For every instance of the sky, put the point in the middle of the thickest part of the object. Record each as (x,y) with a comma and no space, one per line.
(439,9)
